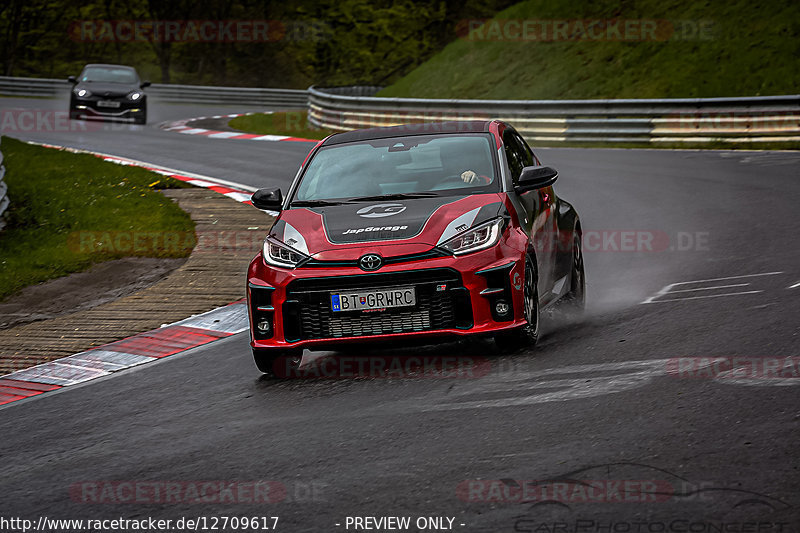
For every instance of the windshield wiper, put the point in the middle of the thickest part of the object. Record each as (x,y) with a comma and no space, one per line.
(397,196)
(314,203)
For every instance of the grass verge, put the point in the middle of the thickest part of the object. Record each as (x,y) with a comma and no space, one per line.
(657,49)
(69,211)
(292,123)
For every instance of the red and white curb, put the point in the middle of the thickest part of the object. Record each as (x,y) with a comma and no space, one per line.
(126,353)
(145,347)
(237,191)
(184,126)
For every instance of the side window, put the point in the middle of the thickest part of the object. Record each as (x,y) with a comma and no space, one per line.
(530,159)
(516,159)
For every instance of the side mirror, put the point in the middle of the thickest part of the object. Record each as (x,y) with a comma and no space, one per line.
(72,80)
(533,178)
(145,84)
(269,199)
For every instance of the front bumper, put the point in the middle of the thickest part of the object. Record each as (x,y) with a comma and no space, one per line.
(456,296)
(90,108)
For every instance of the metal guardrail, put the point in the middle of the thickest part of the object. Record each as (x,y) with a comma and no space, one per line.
(43,87)
(4,201)
(752,119)
(228,95)
(195,94)
(697,120)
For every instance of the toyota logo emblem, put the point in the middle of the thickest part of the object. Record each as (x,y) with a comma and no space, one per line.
(370,262)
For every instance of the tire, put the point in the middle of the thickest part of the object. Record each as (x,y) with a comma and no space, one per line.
(525,336)
(277,363)
(141,118)
(74,115)
(574,301)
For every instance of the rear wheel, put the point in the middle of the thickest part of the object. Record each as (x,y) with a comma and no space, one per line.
(527,335)
(277,363)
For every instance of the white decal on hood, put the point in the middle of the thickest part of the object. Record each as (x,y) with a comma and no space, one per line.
(380,210)
(293,238)
(458,225)
(375,228)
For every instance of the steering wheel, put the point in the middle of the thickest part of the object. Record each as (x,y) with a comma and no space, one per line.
(450,182)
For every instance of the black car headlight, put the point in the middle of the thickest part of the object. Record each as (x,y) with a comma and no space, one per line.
(135,95)
(480,237)
(82,93)
(282,255)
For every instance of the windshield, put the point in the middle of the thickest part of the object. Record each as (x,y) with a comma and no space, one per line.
(109,75)
(419,165)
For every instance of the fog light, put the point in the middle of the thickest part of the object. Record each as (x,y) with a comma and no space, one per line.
(263,326)
(502,308)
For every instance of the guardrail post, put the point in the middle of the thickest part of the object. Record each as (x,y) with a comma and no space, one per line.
(4,200)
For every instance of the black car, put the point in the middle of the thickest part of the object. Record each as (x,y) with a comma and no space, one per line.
(108,91)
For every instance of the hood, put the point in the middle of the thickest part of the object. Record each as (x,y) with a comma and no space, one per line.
(108,89)
(390,228)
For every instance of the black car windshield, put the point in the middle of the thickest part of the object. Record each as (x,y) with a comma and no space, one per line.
(109,75)
(414,166)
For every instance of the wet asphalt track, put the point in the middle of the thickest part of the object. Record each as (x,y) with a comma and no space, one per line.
(594,401)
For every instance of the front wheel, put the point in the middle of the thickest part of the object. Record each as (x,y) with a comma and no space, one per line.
(574,301)
(527,335)
(277,363)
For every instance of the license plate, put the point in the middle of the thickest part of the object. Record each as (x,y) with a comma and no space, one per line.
(107,103)
(375,299)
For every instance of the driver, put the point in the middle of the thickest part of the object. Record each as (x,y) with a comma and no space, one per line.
(473,178)
(457,160)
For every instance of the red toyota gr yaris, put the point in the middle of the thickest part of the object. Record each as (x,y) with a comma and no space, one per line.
(445,229)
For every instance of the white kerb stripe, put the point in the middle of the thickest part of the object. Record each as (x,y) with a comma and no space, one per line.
(270,138)
(225,134)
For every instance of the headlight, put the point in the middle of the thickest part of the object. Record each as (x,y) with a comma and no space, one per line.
(135,95)
(478,238)
(83,93)
(278,254)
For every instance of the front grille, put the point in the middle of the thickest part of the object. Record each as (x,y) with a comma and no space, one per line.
(307,312)
(380,323)
(393,260)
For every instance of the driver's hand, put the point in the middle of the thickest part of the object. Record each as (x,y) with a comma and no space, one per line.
(469,176)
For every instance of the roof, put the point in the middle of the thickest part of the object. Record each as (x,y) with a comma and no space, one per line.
(108,65)
(428,128)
